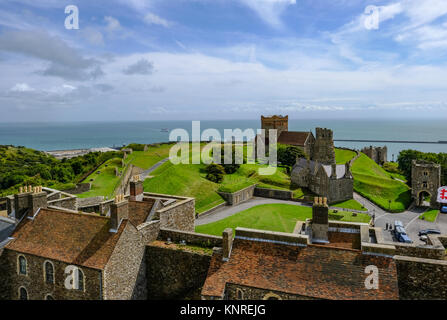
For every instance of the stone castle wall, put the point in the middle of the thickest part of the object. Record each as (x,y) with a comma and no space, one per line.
(273,193)
(377,154)
(172,273)
(239,196)
(180,216)
(34,283)
(421,279)
(425,177)
(122,269)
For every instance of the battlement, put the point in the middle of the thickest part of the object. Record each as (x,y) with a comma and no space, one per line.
(323,133)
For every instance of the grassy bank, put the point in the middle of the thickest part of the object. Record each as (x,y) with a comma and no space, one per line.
(375,184)
(273,217)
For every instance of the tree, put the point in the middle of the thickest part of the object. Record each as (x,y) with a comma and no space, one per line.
(215,172)
(287,154)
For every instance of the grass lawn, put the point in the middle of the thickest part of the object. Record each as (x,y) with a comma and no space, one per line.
(273,217)
(342,156)
(374,183)
(146,159)
(103,184)
(349,204)
(430,215)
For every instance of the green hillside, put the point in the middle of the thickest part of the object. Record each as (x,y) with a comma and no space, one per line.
(374,183)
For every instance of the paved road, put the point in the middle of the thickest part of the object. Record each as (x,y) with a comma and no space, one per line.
(409,218)
(147,172)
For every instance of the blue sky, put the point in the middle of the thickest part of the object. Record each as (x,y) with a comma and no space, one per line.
(222,59)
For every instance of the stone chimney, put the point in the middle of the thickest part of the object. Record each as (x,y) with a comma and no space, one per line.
(136,189)
(320,220)
(29,200)
(119,211)
(227,243)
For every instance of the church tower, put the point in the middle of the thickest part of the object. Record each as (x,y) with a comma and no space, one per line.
(279,123)
(323,149)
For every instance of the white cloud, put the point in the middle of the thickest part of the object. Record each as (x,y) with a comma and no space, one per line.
(22,87)
(112,23)
(151,18)
(269,10)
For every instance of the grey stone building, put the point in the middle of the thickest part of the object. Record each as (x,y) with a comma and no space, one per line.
(378,154)
(425,181)
(335,182)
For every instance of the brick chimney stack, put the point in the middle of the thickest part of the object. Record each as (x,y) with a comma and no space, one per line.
(119,211)
(227,243)
(29,200)
(320,220)
(136,189)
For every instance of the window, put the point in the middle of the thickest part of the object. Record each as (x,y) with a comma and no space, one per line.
(22,265)
(424,185)
(23,294)
(49,297)
(271,296)
(425,173)
(239,294)
(49,272)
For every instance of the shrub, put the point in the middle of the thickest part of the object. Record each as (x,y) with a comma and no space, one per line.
(215,172)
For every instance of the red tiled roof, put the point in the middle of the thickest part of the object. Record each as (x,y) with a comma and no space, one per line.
(139,211)
(312,271)
(78,239)
(294,138)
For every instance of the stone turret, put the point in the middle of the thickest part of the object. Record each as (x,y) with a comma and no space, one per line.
(323,149)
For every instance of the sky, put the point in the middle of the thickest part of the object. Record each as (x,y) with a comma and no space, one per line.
(222,59)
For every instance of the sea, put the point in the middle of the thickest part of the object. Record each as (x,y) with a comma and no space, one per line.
(85,135)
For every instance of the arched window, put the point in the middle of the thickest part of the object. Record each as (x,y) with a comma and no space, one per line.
(22,269)
(239,294)
(49,272)
(80,280)
(23,294)
(271,296)
(49,297)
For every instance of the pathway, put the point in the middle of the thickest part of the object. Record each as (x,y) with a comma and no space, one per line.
(147,172)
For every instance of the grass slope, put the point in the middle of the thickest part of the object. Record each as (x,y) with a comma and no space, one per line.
(273,217)
(374,183)
(342,156)
(349,204)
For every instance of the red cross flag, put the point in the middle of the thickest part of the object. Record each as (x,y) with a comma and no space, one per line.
(442,195)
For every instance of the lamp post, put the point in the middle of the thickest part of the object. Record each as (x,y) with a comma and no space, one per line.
(374,217)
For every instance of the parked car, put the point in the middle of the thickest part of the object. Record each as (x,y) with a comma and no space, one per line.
(423,238)
(398,223)
(444,209)
(428,231)
(402,237)
(398,230)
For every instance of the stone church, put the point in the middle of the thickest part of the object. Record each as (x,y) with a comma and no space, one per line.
(333,181)
(318,148)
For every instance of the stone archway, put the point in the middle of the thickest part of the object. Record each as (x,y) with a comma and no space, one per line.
(424,198)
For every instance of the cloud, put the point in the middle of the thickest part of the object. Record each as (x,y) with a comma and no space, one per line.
(22,87)
(151,18)
(112,23)
(63,61)
(269,10)
(142,67)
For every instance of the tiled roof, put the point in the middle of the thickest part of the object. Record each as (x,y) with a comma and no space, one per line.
(312,271)
(78,239)
(139,211)
(294,138)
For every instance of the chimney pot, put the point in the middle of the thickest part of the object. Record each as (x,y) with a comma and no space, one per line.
(227,243)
